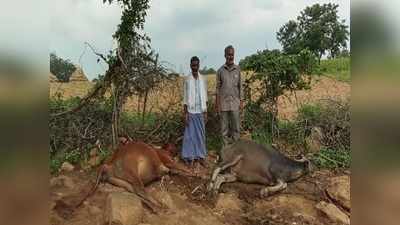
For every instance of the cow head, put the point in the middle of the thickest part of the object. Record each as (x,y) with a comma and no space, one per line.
(171,149)
(308,167)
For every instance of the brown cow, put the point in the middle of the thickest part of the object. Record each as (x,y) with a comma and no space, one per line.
(135,164)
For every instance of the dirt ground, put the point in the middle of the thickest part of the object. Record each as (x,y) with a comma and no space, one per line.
(189,203)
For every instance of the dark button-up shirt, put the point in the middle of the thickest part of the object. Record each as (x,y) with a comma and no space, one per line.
(229,87)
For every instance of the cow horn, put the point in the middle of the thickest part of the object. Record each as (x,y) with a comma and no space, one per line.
(303,159)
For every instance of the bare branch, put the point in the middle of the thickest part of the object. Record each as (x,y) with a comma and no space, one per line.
(96,53)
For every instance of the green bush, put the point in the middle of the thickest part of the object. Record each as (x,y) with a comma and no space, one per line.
(256,118)
(331,158)
(78,131)
(291,133)
(74,157)
(73,135)
(262,137)
(136,119)
(310,113)
(333,119)
(338,68)
(214,143)
(56,161)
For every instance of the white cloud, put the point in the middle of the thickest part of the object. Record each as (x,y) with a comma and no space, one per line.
(178,28)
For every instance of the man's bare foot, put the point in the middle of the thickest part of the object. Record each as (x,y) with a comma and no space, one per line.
(189,163)
(203,163)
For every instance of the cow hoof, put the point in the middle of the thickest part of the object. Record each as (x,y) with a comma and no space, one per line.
(264,193)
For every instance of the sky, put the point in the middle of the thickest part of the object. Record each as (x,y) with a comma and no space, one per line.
(178,29)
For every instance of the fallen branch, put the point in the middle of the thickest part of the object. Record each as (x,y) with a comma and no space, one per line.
(83,102)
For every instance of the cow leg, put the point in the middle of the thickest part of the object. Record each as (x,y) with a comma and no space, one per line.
(225,178)
(121,183)
(139,190)
(281,185)
(225,166)
(128,187)
(221,168)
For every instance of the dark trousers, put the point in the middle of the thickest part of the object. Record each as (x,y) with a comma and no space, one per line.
(230,126)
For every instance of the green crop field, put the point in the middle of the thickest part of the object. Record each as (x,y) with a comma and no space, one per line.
(338,68)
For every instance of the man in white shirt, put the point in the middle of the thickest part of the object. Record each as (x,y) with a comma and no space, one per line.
(195,114)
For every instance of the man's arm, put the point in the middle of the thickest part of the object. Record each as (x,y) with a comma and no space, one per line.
(217,92)
(205,90)
(185,99)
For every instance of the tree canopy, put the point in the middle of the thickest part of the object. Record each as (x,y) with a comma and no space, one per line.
(318,28)
(206,70)
(274,73)
(61,68)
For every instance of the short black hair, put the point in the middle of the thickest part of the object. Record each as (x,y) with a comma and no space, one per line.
(228,47)
(194,58)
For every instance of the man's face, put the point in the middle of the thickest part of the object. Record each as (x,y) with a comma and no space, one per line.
(230,56)
(194,65)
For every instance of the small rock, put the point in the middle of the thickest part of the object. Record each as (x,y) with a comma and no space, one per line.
(333,212)
(62,181)
(274,216)
(67,167)
(59,195)
(339,190)
(123,208)
(293,204)
(164,197)
(55,181)
(228,201)
(305,217)
(94,210)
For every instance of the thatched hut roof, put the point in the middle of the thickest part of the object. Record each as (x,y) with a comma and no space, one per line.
(78,75)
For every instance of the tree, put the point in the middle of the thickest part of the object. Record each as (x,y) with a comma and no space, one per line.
(318,28)
(133,67)
(275,73)
(206,70)
(61,68)
(289,37)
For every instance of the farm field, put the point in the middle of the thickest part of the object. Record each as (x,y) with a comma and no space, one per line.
(322,88)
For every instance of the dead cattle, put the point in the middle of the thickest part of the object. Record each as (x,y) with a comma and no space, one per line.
(135,164)
(250,162)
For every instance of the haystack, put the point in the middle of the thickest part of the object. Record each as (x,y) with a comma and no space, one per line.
(78,75)
(52,78)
